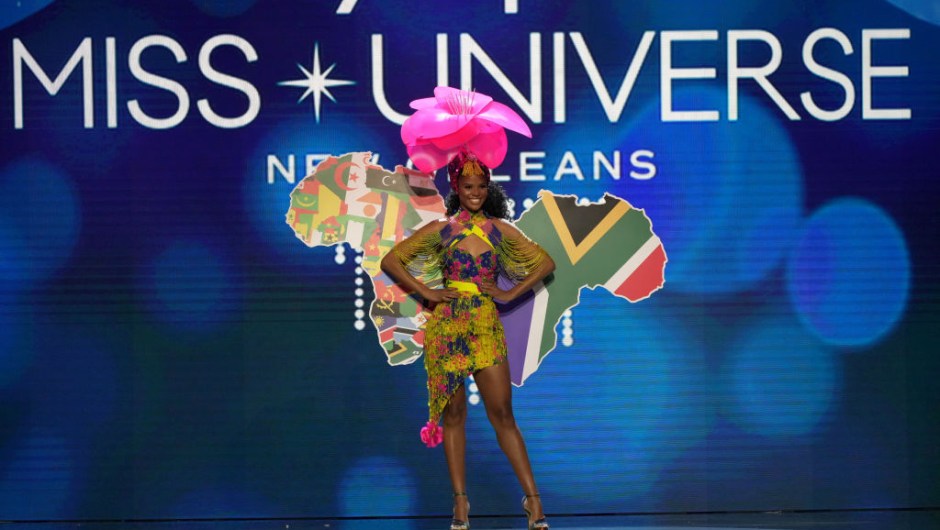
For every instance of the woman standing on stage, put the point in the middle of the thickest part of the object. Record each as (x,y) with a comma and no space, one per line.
(473,246)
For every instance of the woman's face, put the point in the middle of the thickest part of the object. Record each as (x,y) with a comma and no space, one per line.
(471,190)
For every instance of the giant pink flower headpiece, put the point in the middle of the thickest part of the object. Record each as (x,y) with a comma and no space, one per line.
(455,120)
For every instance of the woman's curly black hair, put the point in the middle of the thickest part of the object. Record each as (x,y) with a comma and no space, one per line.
(495,205)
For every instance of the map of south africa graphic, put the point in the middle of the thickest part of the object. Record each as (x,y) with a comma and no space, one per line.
(607,243)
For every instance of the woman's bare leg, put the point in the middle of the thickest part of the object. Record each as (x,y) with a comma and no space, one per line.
(495,388)
(455,449)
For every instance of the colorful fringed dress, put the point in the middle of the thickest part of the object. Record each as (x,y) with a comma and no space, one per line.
(465,334)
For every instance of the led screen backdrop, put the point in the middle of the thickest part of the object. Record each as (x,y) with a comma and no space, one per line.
(168,347)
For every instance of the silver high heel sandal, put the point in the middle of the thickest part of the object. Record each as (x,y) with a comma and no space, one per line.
(457,524)
(541,523)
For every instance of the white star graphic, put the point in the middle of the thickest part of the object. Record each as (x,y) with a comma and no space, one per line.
(316,82)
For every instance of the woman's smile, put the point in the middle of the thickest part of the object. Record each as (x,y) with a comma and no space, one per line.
(472,192)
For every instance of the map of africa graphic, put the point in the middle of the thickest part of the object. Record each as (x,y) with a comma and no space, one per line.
(607,243)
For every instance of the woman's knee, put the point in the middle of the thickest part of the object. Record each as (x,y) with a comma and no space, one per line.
(501,416)
(455,413)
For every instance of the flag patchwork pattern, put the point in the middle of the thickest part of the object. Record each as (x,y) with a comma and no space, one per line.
(349,200)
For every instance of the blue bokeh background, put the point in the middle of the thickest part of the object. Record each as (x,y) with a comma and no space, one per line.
(169,349)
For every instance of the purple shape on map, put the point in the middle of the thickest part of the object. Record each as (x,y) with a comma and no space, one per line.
(517,322)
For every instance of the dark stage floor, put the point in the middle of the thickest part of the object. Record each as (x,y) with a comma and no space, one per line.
(919,519)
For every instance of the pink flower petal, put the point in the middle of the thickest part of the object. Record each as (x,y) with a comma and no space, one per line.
(429,158)
(490,148)
(446,96)
(423,103)
(485,126)
(431,123)
(459,137)
(455,119)
(504,116)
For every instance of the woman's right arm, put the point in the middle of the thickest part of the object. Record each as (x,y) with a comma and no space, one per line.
(393,266)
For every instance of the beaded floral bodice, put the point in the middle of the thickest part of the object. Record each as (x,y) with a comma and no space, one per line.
(460,263)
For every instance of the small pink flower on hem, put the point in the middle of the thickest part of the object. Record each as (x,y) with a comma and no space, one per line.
(432,434)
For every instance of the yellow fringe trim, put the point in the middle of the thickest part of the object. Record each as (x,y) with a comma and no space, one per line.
(519,257)
(422,256)
(472,168)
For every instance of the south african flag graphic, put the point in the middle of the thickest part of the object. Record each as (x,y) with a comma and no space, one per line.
(608,244)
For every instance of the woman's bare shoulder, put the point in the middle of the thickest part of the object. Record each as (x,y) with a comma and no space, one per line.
(434,226)
(506,227)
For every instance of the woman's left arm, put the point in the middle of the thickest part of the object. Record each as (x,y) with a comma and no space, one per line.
(543,265)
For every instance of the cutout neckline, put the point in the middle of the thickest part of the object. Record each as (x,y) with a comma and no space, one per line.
(467,251)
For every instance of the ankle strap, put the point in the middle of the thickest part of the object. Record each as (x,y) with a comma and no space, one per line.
(460,494)
(526,495)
